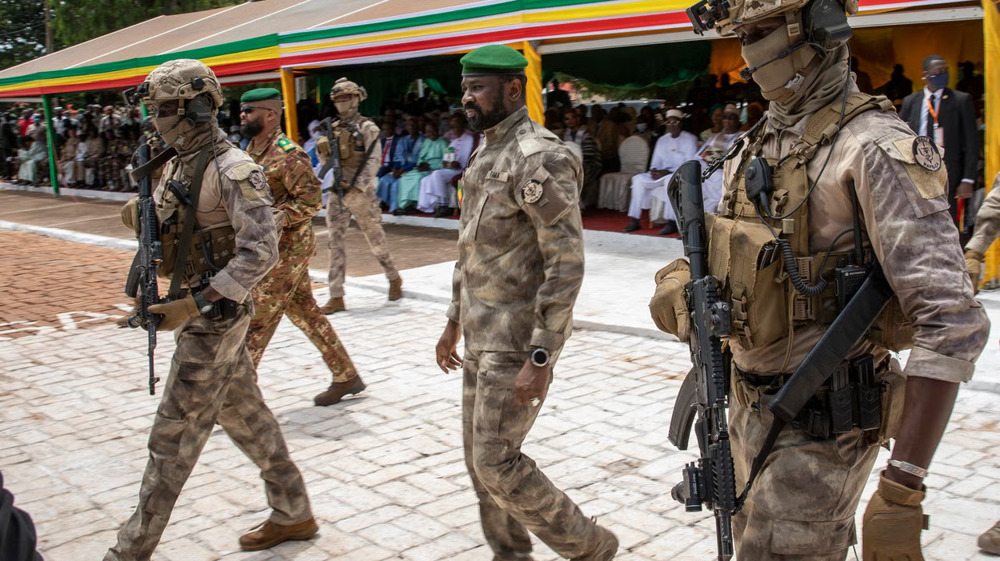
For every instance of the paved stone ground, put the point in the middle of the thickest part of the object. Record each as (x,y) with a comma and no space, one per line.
(384,470)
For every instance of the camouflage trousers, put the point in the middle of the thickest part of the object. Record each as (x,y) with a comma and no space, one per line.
(364,207)
(212,379)
(514,495)
(802,505)
(287,290)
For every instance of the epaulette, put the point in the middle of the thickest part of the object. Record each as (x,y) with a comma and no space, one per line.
(285,144)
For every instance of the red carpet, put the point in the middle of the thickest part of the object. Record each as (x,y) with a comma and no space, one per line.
(600,219)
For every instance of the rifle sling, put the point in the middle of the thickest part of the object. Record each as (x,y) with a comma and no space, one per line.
(357,172)
(151,165)
(190,216)
(850,326)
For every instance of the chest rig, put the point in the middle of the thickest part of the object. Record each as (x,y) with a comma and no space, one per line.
(190,253)
(353,152)
(774,290)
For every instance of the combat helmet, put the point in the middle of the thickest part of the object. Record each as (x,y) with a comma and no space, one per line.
(726,15)
(345,86)
(180,79)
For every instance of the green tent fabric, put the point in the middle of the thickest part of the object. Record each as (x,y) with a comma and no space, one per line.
(660,65)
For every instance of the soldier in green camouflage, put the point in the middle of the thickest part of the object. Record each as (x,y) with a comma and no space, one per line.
(519,271)
(287,290)
(212,377)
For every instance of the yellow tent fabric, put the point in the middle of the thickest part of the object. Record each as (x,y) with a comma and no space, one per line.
(991,32)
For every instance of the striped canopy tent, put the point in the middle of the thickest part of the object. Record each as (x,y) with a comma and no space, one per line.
(275,39)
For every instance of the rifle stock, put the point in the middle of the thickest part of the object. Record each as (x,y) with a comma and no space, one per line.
(711,480)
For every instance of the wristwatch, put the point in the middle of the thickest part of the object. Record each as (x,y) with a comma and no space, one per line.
(204,306)
(540,357)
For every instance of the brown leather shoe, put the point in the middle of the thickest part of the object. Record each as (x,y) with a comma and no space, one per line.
(333,305)
(607,546)
(270,534)
(338,390)
(396,288)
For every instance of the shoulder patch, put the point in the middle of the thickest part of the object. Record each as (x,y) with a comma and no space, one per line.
(257,180)
(285,144)
(251,180)
(926,153)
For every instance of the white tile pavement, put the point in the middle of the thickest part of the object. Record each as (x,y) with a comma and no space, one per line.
(384,469)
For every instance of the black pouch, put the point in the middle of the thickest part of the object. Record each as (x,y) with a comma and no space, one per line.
(868,393)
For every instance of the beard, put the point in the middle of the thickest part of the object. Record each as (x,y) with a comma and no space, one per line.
(251,130)
(482,120)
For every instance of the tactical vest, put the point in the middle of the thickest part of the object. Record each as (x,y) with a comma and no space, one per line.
(351,141)
(213,240)
(746,258)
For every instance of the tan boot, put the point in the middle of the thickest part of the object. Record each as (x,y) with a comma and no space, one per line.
(990,541)
(333,305)
(396,288)
(271,534)
(607,546)
(338,390)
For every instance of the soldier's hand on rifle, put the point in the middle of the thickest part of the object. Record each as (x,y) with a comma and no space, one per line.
(892,523)
(323,149)
(973,261)
(175,312)
(668,306)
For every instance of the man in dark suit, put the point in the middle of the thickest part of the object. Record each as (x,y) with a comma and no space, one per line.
(948,118)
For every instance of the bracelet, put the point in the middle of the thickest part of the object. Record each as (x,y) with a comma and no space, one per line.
(907,467)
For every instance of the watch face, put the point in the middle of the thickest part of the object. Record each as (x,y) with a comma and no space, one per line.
(539,357)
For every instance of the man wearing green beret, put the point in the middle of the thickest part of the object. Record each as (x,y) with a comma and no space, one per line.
(287,290)
(519,270)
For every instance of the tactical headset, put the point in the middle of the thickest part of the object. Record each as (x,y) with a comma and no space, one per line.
(196,111)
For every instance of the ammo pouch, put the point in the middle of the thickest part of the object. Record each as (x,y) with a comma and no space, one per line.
(209,250)
(858,395)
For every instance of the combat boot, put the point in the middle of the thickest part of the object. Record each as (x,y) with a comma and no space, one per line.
(270,534)
(333,305)
(607,546)
(396,288)
(338,390)
(990,541)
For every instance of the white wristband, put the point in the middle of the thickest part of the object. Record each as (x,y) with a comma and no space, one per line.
(909,468)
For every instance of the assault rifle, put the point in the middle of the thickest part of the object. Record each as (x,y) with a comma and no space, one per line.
(710,481)
(333,162)
(141,283)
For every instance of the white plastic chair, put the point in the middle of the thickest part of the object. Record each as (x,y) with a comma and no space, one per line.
(614,190)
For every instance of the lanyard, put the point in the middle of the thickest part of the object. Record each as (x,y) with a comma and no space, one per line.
(930,109)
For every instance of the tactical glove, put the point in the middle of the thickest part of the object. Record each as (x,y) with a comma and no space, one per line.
(322,149)
(892,523)
(175,312)
(973,261)
(668,305)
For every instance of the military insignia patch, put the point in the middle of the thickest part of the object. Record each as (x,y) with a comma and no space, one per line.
(926,153)
(286,144)
(532,191)
(257,180)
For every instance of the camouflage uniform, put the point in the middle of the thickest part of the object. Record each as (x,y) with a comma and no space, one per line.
(987,221)
(803,504)
(212,377)
(287,289)
(359,202)
(519,271)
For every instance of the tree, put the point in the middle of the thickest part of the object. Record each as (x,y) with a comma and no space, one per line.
(76,21)
(22,31)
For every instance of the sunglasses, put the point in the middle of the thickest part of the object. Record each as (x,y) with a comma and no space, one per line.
(248,109)
(165,109)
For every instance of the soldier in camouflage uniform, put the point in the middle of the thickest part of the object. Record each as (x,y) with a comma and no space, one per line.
(287,290)
(985,233)
(357,139)
(519,271)
(212,377)
(802,506)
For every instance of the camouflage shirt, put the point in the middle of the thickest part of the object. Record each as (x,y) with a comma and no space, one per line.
(233,192)
(520,263)
(987,221)
(904,211)
(294,185)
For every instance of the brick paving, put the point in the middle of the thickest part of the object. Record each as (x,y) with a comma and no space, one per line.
(384,469)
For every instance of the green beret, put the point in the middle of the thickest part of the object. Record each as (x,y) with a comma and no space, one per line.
(260,94)
(493,59)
